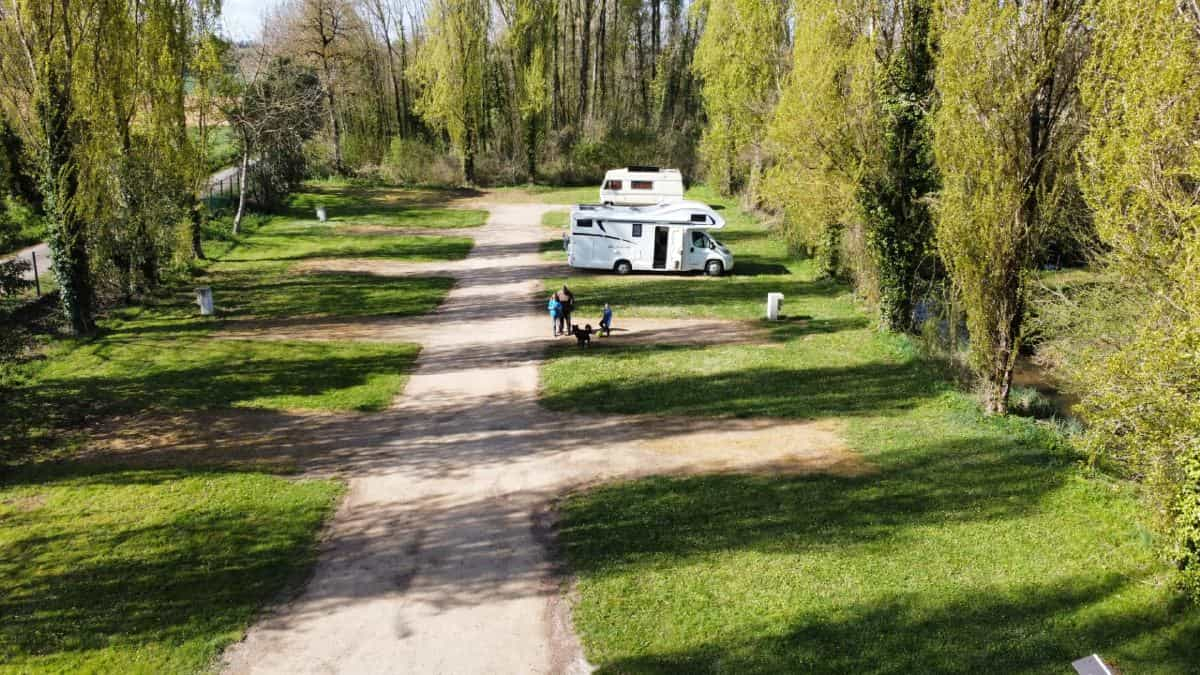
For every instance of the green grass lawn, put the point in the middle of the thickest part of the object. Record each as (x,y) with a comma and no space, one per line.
(348,204)
(129,372)
(282,239)
(974,545)
(107,570)
(555,220)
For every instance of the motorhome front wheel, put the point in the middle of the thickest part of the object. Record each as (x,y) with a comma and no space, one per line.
(623,267)
(714,268)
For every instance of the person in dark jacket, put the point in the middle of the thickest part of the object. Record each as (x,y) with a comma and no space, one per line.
(567,300)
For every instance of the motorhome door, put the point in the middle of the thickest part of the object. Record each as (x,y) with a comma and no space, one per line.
(675,246)
(660,247)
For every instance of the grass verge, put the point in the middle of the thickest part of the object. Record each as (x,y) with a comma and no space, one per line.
(145,571)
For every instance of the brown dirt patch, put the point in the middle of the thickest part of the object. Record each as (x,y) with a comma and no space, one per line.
(781,447)
(27,503)
(372,230)
(697,332)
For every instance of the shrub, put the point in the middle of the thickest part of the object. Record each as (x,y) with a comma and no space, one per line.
(413,162)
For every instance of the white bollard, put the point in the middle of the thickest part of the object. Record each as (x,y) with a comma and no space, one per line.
(774,305)
(321,213)
(204,298)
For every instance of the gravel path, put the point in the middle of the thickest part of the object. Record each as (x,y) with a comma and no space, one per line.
(441,558)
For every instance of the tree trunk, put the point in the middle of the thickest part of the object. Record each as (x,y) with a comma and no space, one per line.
(584,60)
(655,36)
(197,219)
(335,127)
(241,209)
(403,112)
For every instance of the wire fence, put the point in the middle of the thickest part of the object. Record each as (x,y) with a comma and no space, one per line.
(222,192)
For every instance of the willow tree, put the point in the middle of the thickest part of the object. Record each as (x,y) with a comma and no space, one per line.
(1141,382)
(1003,137)
(450,71)
(53,47)
(740,58)
(823,135)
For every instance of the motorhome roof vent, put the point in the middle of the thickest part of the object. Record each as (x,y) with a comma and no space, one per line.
(642,168)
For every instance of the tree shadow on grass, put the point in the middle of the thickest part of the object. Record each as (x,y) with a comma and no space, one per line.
(798,393)
(40,412)
(937,625)
(196,572)
(1020,631)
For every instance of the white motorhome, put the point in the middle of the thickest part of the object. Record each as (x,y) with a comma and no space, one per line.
(663,238)
(636,185)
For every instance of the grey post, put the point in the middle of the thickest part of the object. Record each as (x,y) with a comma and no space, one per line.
(37,283)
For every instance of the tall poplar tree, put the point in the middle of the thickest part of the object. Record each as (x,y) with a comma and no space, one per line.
(740,58)
(1004,135)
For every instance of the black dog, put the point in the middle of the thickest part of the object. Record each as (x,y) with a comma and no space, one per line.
(582,336)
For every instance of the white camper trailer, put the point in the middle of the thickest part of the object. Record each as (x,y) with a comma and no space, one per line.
(664,238)
(640,185)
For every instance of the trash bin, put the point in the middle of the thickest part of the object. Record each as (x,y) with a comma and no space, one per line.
(204,298)
(321,213)
(774,306)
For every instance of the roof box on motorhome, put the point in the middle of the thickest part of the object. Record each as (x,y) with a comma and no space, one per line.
(635,185)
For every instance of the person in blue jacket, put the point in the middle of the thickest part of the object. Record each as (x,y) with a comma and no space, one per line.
(555,309)
(606,320)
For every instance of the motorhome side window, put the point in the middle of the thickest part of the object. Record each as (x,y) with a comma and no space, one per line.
(612,185)
(583,223)
(699,218)
(641,184)
(637,229)
(699,240)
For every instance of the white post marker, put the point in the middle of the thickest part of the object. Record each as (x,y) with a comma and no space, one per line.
(204,298)
(321,213)
(774,305)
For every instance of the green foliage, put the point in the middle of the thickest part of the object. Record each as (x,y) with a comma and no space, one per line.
(1003,137)
(1136,359)
(894,197)
(415,162)
(824,138)
(740,58)
(450,71)
(109,570)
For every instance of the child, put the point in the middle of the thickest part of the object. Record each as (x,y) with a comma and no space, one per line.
(555,309)
(606,320)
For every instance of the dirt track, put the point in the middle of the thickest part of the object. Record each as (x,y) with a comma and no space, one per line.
(440,558)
